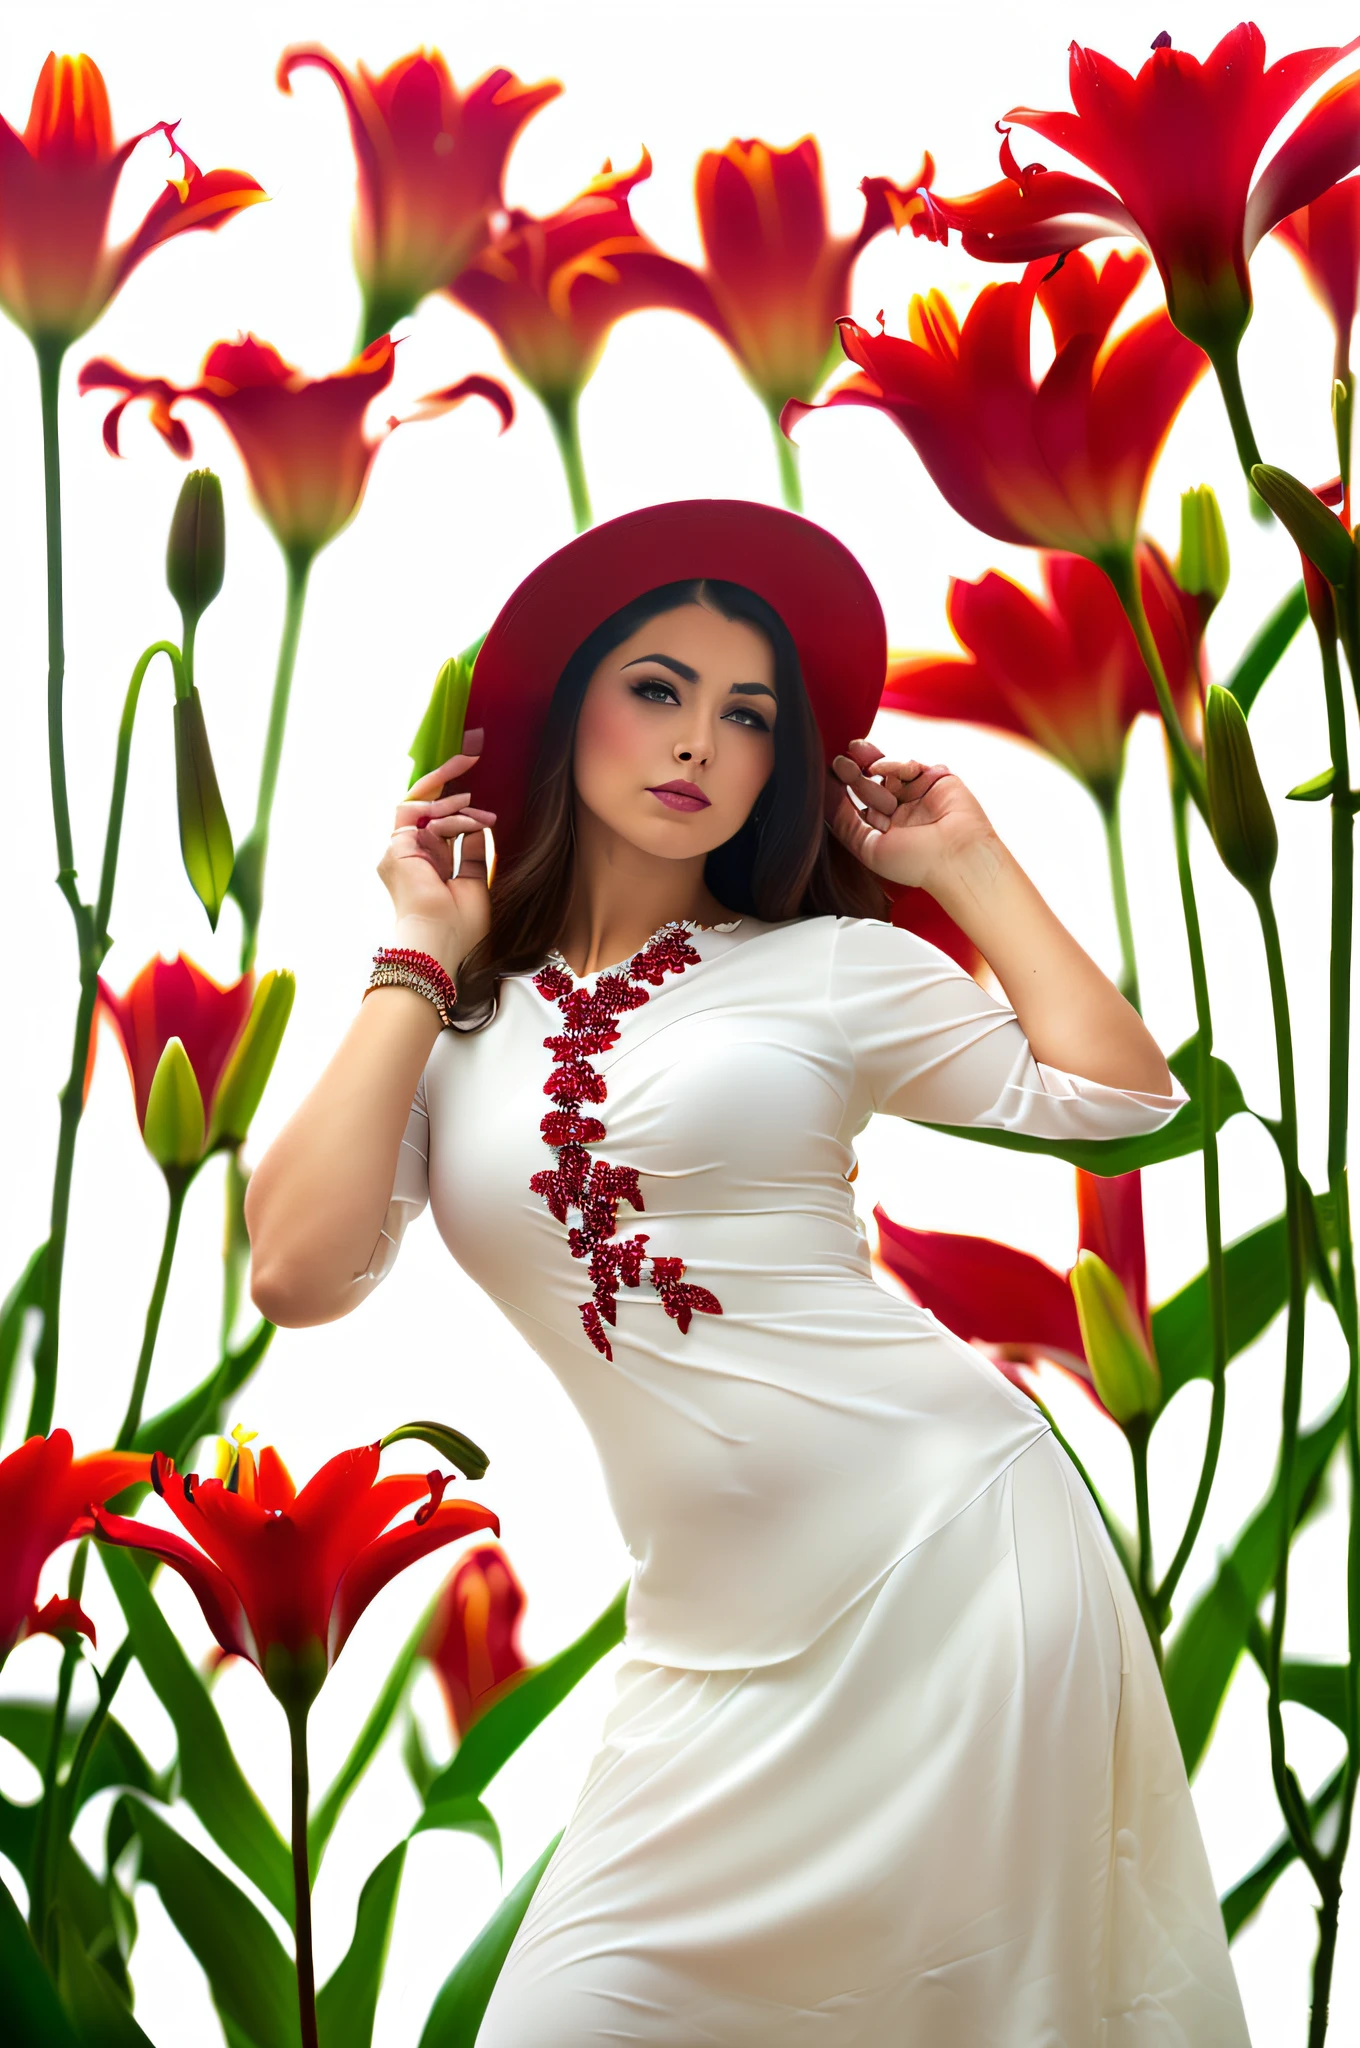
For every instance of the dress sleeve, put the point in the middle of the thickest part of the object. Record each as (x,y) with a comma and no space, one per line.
(410,1193)
(931,1044)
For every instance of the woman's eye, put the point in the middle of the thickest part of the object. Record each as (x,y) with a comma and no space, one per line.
(744,714)
(666,691)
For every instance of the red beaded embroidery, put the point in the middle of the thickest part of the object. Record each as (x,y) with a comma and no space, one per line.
(593,1186)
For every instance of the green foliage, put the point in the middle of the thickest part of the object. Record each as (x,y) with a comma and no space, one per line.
(464,1815)
(26,1293)
(116,1759)
(322,1823)
(252,1981)
(1203,1653)
(210,1777)
(33,2014)
(465,1993)
(100,2016)
(469,1458)
(1266,649)
(347,2002)
(440,733)
(1250,1891)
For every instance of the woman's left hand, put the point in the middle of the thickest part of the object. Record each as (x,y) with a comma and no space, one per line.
(914,818)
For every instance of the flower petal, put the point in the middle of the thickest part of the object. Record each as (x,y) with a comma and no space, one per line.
(391,1553)
(213,1590)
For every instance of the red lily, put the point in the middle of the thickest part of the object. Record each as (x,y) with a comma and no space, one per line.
(1325,237)
(1062,671)
(1061,464)
(1178,145)
(550,287)
(174,999)
(45,1497)
(281,1576)
(473,1639)
(777,277)
(57,181)
(1015,1307)
(301,439)
(431,161)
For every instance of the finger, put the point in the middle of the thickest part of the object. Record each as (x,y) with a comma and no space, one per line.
(459,823)
(418,808)
(865,754)
(871,793)
(849,826)
(457,764)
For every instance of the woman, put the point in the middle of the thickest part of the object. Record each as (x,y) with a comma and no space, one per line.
(889,1761)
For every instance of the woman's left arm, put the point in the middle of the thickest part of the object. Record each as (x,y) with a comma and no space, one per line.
(922,826)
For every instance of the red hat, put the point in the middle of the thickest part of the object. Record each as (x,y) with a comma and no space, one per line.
(812,580)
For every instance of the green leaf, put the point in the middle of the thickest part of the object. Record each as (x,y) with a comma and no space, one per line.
(253,1982)
(1121,1155)
(470,1459)
(498,1732)
(26,1293)
(322,1823)
(1249,1892)
(33,2013)
(1318,1686)
(95,1908)
(346,2003)
(116,1759)
(1264,652)
(100,2016)
(1314,789)
(420,1766)
(199,1413)
(210,1777)
(18,1832)
(1256,1275)
(465,1993)
(440,733)
(1203,1653)
(466,1815)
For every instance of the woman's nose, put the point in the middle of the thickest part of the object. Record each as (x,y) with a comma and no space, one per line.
(697,749)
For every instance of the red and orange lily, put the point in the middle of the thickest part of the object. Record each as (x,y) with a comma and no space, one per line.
(776,278)
(1063,463)
(1062,670)
(1019,1310)
(473,1638)
(283,1575)
(302,439)
(1178,146)
(431,163)
(550,287)
(57,183)
(198,1052)
(1324,237)
(45,1501)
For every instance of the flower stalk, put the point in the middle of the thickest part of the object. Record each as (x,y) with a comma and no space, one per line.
(1123,574)
(1119,891)
(178,1182)
(302,1883)
(563,409)
(247,879)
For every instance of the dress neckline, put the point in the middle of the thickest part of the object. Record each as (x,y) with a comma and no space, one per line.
(553,958)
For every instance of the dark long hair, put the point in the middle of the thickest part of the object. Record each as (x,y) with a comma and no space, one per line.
(782,863)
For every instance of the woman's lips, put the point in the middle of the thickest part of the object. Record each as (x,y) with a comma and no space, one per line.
(680,796)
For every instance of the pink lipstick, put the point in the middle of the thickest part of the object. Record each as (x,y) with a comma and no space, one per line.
(680,796)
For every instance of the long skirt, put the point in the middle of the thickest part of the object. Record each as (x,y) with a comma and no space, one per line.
(958,1819)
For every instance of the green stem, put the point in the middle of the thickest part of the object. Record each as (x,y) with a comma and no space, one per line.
(1123,574)
(1328,1916)
(561,409)
(1138,1430)
(109,1682)
(1112,1528)
(1119,889)
(790,482)
(178,1181)
(45,1852)
(247,883)
(302,1886)
(1229,375)
(1343,411)
(1338,1114)
(1288,1791)
(1205,1091)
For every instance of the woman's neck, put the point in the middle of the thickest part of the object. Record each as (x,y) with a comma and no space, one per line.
(621,895)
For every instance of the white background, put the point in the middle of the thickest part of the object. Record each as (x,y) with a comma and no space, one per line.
(453,519)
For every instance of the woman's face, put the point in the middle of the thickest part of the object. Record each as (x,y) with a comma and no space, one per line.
(675,737)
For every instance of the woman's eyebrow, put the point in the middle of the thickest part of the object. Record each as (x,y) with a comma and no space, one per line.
(691,675)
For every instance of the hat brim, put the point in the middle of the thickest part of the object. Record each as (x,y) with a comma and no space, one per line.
(813,581)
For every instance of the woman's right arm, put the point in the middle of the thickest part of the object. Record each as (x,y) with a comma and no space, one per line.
(316,1202)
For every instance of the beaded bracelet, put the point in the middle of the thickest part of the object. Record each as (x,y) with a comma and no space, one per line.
(405,967)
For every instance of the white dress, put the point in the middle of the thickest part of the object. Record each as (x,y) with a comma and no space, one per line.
(889,1761)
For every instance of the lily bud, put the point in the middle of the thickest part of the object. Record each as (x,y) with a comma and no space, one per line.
(1240,816)
(173,1129)
(247,1071)
(196,555)
(1126,1375)
(1202,567)
(441,729)
(1316,531)
(204,834)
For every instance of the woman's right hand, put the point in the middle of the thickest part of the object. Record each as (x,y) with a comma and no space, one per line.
(417,868)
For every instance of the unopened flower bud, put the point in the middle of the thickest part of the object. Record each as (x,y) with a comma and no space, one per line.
(173,1129)
(196,555)
(1202,566)
(252,1060)
(1125,1373)
(1315,530)
(204,834)
(1240,816)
